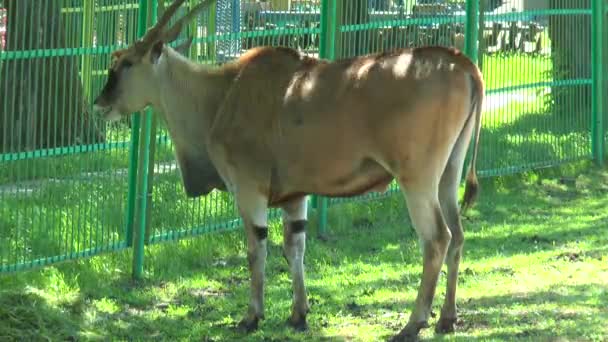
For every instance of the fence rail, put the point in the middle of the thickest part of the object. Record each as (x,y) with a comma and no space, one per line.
(72,186)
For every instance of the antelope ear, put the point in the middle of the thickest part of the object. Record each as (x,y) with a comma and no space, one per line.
(157,50)
(184,47)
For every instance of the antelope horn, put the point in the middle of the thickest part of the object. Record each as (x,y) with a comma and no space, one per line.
(172,33)
(155,32)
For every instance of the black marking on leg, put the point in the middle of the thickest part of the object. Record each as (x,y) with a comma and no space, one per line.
(261,232)
(297,226)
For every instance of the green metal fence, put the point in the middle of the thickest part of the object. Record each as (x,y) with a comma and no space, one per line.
(73,186)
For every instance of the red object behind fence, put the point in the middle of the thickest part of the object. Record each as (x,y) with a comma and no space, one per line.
(2,28)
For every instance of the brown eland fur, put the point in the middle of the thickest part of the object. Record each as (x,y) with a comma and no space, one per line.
(274,126)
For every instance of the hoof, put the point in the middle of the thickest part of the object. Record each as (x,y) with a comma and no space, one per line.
(445,326)
(248,325)
(298,325)
(401,337)
(410,332)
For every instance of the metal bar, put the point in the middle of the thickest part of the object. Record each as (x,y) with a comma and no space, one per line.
(597,88)
(211,31)
(560,83)
(521,15)
(139,234)
(135,135)
(346,28)
(334,28)
(102,50)
(148,186)
(109,8)
(87,41)
(471,36)
(213,228)
(330,29)
(323,48)
(62,151)
(115,246)
(324,28)
(471,31)
(401,22)
(39,53)
(323,205)
(509,170)
(481,25)
(193,32)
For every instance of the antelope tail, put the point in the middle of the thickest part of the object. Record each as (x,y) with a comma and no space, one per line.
(472,184)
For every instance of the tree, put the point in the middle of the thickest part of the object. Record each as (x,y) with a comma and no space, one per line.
(42,103)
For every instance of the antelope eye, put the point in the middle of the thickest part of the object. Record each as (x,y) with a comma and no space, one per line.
(127,64)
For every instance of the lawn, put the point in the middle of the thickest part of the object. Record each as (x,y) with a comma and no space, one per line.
(534,269)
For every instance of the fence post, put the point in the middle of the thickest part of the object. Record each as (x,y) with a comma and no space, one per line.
(142,19)
(88,16)
(149,148)
(471,37)
(330,29)
(193,30)
(141,201)
(211,31)
(471,29)
(327,50)
(132,192)
(598,90)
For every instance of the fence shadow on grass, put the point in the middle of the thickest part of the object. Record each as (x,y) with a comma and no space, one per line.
(535,316)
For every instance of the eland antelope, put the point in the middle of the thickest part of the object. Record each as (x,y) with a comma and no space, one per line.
(274,126)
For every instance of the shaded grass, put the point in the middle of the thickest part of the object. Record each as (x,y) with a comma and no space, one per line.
(534,269)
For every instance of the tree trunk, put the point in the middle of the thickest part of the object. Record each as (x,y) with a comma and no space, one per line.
(42,103)
(571,55)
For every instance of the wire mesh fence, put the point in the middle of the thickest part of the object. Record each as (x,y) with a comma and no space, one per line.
(63,173)
(536,63)
(71,185)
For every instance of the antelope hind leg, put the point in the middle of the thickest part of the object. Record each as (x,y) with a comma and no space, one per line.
(428,221)
(448,197)
(294,245)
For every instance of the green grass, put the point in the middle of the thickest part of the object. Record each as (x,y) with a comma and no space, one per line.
(534,269)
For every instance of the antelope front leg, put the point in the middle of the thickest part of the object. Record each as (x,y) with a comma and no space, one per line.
(253,210)
(294,246)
